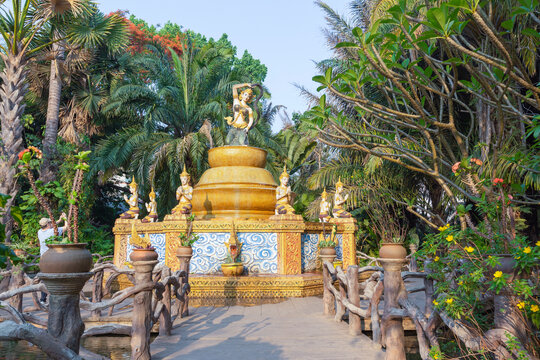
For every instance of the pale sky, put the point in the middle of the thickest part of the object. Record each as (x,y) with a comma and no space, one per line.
(286,35)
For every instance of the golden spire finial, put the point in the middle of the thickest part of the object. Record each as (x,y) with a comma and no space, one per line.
(133,183)
(152,193)
(339,183)
(184,172)
(324,194)
(284,173)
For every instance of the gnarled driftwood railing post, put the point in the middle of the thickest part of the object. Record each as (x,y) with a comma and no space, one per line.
(165,320)
(328,297)
(393,333)
(184,266)
(142,312)
(355,324)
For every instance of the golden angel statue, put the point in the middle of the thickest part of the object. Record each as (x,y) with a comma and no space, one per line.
(184,194)
(284,195)
(243,115)
(339,201)
(133,202)
(324,214)
(151,207)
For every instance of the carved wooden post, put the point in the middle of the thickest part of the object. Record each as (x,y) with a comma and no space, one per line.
(184,266)
(64,322)
(428,284)
(165,323)
(97,291)
(142,312)
(16,280)
(355,324)
(413,264)
(393,327)
(340,307)
(328,297)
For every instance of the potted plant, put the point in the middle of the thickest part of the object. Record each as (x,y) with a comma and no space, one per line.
(327,246)
(142,248)
(231,266)
(187,239)
(65,254)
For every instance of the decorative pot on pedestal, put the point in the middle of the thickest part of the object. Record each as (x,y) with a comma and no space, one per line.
(392,251)
(64,271)
(145,254)
(66,258)
(184,251)
(327,254)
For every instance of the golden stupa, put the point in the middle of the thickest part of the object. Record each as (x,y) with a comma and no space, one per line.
(236,186)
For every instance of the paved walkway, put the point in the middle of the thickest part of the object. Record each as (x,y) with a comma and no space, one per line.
(293,329)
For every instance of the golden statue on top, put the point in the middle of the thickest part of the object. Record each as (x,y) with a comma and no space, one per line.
(151,207)
(133,202)
(184,194)
(339,202)
(242,120)
(324,214)
(284,195)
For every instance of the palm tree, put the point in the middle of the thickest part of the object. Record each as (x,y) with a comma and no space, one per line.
(179,104)
(22,28)
(78,34)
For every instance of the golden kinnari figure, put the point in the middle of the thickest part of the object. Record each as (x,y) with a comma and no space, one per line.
(284,195)
(339,202)
(233,246)
(243,116)
(151,207)
(133,202)
(184,194)
(324,214)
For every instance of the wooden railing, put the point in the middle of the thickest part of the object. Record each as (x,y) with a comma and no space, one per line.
(361,300)
(168,293)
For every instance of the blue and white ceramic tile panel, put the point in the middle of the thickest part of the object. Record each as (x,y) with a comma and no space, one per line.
(309,251)
(157,241)
(259,252)
(208,253)
(339,247)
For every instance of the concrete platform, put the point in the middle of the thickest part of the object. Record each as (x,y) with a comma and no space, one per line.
(292,329)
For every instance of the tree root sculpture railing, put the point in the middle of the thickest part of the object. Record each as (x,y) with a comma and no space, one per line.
(166,293)
(388,283)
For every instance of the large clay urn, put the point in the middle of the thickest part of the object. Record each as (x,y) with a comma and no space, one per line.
(148,254)
(392,251)
(66,258)
(232,269)
(236,186)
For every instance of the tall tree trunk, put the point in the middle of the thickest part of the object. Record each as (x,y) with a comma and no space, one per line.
(12,91)
(48,173)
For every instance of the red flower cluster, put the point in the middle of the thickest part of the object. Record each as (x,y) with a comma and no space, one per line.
(476,161)
(22,153)
(497,181)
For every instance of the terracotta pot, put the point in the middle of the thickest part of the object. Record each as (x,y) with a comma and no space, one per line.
(143,255)
(66,258)
(327,251)
(233,269)
(392,251)
(184,251)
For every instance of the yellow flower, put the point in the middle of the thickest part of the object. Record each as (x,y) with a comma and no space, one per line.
(460,282)
(534,308)
(497,274)
(435,356)
(435,302)
(518,257)
(436,258)
(449,301)
(450,238)
(538,243)
(527,250)
(469,249)
(445,227)
(521,305)
(441,228)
